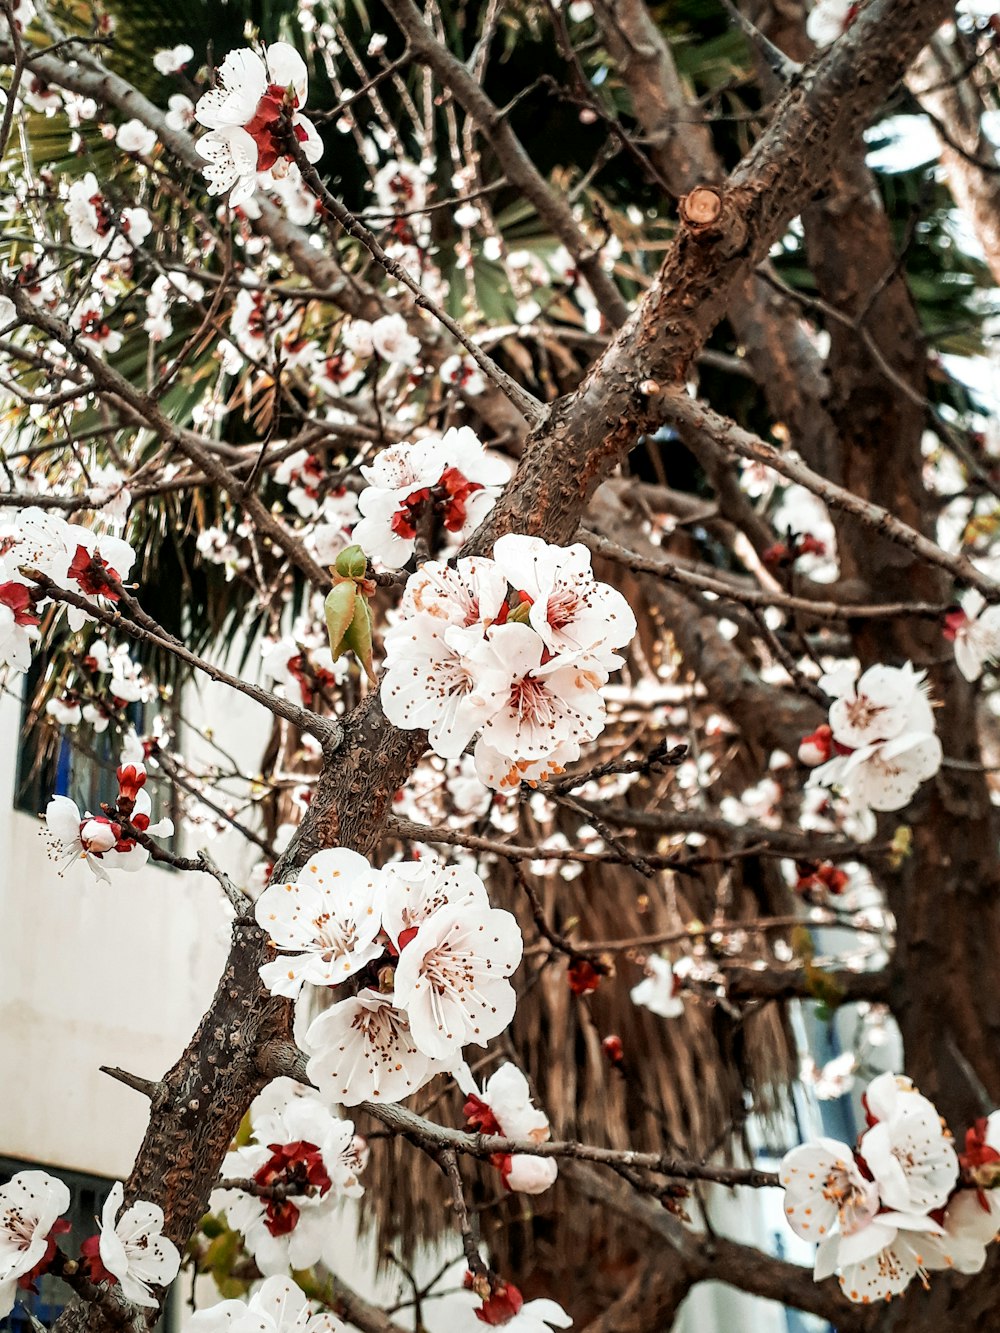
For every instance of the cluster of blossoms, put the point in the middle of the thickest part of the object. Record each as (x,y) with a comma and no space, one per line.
(513,650)
(879,744)
(430,957)
(504,1106)
(103,841)
(900,1205)
(312,1157)
(302,665)
(75,558)
(107,680)
(440,488)
(244,114)
(387,338)
(130,1250)
(95,225)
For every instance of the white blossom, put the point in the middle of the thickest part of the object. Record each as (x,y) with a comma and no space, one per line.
(975,631)
(134,1248)
(278,1306)
(658,989)
(451,978)
(361,1049)
(30,1205)
(325,923)
(173,60)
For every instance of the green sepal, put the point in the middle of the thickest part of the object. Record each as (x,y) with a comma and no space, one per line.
(339,606)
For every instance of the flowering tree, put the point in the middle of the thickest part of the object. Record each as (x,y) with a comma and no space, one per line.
(574,436)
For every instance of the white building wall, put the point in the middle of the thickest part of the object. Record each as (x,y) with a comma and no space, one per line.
(91,974)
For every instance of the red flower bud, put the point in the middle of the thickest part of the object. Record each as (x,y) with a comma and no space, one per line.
(583,977)
(614,1050)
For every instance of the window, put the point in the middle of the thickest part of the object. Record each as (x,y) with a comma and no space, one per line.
(76,761)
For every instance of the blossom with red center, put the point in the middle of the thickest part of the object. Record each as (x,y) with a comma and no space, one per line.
(614,1050)
(572,611)
(17,597)
(453,473)
(502,1304)
(817,747)
(583,976)
(91,573)
(299,1167)
(247,113)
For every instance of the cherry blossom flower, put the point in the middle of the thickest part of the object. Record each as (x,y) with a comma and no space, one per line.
(400,185)
(659,989)
(570,609)
(393,341)
(299,1144)
(95,333)
(325,923)
(414,890)
(30,1206)
(97,839)
(431,683)
(911,1160)
(470,593)
(451,978)
(362,1049)
(545,703)
(133,1248)
(278,1306)
(883,704)
(825,1190)
(66,711)
(975,632)
(299,671)
(96,227)
(830,19)
(452,476)
(243,115)
(881,1258)
(180,115)
(135,137)
(505,1107)
(881,738)
(18,625)
(462,373)
(356,336)
(172,61)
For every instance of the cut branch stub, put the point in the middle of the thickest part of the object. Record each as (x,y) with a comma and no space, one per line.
(702,208)
(709,215)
